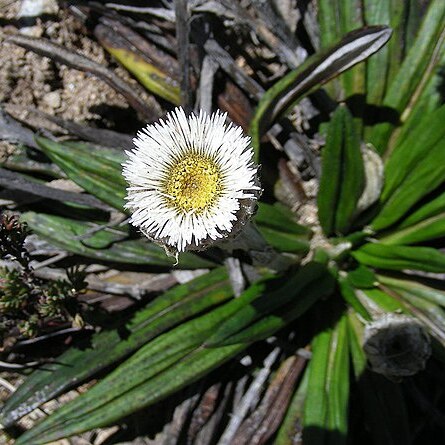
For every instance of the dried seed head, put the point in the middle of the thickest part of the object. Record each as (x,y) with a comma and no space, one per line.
(396,346)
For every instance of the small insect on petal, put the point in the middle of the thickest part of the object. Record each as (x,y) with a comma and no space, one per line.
(192,180)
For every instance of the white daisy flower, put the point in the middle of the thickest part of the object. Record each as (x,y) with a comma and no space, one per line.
(191,180)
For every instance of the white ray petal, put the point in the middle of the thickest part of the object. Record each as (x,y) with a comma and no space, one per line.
(161,147)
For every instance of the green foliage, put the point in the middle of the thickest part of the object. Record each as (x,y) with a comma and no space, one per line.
(364,262)
(343,180)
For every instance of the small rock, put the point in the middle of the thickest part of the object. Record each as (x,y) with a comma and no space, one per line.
(35,8)
(52,99)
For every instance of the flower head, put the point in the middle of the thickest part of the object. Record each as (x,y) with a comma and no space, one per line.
(191,180)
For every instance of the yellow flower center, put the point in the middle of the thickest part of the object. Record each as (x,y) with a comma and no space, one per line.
(193,184)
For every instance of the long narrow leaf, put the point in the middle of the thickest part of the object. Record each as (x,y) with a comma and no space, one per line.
(342,179)
(416,68)
(400,257)
(105,245)
(277,297)
(326,405)
(316,70)
(164,364)
(107,347)
(428,293)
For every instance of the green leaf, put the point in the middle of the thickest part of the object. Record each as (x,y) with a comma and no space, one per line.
(108,347)
(425,178)
(285,242)
(184,369)
(435,313)
(160,367)
(337,18)
(416,69)
(351,18)
(348,292)
(381,68)
(113,157)
(414,169)
(105,245)
(277,294)
(412,150)
(429,293)
(342,179)
(316,70)
(426,223)
(269,324)
(431,209)
(400,257)
(276,224)
(426,230)
(337,387)
(96,174)
(326,405)
(280,218)
(316,404)
(355,334)
(429,314)
(382,300)
(362,278)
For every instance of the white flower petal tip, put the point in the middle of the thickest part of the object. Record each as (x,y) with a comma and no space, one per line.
(192,181)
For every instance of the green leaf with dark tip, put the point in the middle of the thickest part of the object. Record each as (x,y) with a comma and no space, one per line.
(417,68)
(342,180)
(383,256)
(105,245)
(75,365)
(315,71)
(277,225)
(325,418)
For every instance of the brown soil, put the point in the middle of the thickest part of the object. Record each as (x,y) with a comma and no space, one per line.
(31,81)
